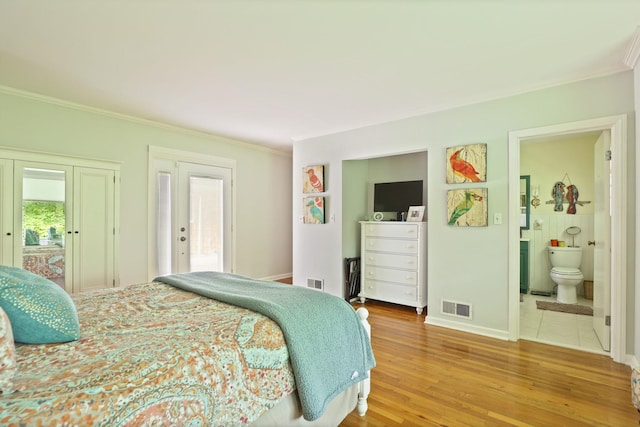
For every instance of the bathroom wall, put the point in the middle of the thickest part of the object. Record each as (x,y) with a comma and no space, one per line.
(570,160)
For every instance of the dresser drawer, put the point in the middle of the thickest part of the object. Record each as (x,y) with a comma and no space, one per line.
(389,275)
(391,245)
(389,292)
(408,262)
(403,230)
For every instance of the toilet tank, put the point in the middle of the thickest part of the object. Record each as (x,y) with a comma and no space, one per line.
(565,256)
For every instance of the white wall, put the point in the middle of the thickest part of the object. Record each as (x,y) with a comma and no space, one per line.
(263,187)
(464,264)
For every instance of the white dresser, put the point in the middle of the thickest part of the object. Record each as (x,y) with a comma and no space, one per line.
(394,263)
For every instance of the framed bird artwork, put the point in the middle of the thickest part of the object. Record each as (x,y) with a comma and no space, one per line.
(313,179)
(313,210)
(467,208)
(467,163)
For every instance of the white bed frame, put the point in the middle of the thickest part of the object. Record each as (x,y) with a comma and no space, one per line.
(364,387)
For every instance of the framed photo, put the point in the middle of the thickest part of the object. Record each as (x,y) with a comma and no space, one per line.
(313,208)
(415,214)
(313,179)
(467,208)
(467,163)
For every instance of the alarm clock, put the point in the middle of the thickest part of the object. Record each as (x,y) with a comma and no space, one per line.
(377,216)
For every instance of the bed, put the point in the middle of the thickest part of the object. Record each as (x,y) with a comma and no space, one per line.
(197,349)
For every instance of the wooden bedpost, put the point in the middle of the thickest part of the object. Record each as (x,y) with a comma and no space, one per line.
(365,385)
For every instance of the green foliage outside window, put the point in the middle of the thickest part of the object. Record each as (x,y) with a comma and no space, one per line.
(40,216)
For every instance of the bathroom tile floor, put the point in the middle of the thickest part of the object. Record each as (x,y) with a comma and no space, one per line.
(561,329)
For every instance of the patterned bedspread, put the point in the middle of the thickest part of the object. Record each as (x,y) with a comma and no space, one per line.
(151,354)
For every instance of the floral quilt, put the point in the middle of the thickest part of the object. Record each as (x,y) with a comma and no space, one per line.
(152,354)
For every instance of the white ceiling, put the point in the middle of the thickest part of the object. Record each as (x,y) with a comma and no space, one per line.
(272,72)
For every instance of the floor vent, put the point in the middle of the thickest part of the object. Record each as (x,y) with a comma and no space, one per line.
(315,284)
(457,309)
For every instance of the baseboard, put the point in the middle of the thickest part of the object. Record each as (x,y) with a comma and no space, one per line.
(278,277)
(465,327)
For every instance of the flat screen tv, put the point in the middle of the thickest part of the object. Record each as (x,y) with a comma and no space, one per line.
(397,196)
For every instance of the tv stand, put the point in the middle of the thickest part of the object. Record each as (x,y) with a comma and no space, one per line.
(393,262)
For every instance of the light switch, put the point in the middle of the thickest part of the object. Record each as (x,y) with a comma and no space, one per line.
(497,218)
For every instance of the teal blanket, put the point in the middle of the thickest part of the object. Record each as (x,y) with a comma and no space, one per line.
(328,346)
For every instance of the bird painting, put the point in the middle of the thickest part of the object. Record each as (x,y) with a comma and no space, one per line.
(314,210)
(572,198)
(466,163)
(558,195)
(464,206)
(463,168)
(313,179)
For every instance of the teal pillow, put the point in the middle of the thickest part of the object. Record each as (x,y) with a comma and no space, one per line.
(40,311)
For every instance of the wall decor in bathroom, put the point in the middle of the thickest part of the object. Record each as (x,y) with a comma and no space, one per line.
(467,163)
(313,179)
(313,208)
(562,193)
(467,208)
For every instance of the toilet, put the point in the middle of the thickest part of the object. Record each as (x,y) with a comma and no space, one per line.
(565,271)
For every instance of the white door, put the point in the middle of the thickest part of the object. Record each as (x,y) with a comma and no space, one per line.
(602,242)
(204,218)
(6,212)
(93,231)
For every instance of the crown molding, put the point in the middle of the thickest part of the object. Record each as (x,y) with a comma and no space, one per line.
(183,130)
(631,59)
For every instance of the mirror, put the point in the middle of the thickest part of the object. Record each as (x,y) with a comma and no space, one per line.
(525,198)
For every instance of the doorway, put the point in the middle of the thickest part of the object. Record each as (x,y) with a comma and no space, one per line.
(616,126)
(191,213)
(575,162)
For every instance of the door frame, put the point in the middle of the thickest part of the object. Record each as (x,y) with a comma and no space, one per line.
(617,125)
(169,154)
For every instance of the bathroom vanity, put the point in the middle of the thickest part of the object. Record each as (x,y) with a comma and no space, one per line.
(524,266)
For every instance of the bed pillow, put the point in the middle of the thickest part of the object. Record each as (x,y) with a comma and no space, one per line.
(8,365)
(40,311)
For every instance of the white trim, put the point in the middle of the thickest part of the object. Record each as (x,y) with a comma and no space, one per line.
(160,125)
(631,58)
(467,327)
(57,158)
(161,153)
(617,125)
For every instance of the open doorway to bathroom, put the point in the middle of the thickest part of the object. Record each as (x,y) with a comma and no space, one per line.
(549,313)
(553,139)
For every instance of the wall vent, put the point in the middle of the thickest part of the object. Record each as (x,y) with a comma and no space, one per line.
(315,284)
(458,309)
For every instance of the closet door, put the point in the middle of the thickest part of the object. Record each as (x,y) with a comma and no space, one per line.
(6,212)
(93,230)
(42,206)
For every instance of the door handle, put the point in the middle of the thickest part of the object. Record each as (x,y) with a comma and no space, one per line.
(182,239)
(591,242)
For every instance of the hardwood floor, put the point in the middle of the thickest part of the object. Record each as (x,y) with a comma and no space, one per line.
(432,376)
